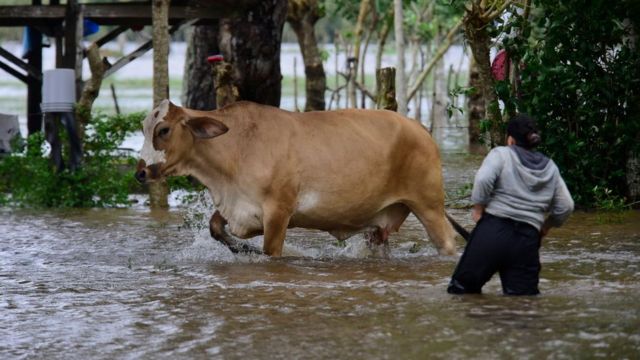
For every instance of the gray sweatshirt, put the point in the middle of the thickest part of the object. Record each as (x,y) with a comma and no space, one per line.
(522,185)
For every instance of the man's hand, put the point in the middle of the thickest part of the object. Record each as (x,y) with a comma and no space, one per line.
(546,226)
(477,212)
(544,232)
(545,229)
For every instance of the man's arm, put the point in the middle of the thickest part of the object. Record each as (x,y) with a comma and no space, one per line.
(484,183)
(561,207)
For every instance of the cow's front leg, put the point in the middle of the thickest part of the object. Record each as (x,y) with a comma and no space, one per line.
(275,221)
(218,232)
(216,226)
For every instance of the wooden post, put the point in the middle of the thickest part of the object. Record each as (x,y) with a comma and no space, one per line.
(386,89)
(226,91)
(58,41)
(34,87)
(73,52)
(159,191)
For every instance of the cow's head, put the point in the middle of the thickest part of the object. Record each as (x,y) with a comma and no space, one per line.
(169,136)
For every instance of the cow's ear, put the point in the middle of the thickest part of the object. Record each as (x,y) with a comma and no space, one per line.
(206,127)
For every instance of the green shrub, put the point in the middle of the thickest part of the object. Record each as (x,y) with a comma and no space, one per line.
(104,179)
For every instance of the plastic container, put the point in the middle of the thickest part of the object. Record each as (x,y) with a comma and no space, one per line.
(58,90)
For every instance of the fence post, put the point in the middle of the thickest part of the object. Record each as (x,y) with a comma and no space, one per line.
(386,89)
(226,92)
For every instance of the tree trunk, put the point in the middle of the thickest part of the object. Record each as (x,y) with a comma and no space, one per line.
(382,40)
(302,15)
(439,106)
(401,84)
(479,42)
(475,111)
(363,62)
(159,191)
(251,43)
(91,89)
(197,88)
(442,49)
(365,5)
(633,159)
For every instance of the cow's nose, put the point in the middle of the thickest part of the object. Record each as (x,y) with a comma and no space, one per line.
(141,176)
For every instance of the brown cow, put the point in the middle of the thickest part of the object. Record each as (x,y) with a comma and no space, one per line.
(345,172)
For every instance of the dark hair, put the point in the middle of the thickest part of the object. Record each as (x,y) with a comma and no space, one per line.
(524,130)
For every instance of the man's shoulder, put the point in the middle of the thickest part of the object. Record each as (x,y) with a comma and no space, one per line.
(499,151)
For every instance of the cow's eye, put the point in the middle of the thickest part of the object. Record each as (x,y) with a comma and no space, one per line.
(163,132)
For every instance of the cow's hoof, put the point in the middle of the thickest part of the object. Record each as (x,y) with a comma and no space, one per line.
(246,249)
(237,247)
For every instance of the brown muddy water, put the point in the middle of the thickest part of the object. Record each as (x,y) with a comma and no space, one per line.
(135,284)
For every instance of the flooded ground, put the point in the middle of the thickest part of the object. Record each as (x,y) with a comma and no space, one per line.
(131,284)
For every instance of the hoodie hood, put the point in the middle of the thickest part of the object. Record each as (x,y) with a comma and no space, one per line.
(532,159)
(534,169)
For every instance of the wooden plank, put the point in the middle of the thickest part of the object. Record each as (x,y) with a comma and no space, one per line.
(21,64)
(140,51)
(129,13)
(111,35)
(128,58)
(15,73)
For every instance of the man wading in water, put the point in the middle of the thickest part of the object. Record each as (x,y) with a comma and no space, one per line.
(513,190)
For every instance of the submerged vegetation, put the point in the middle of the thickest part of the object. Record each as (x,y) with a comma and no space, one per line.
(105,179)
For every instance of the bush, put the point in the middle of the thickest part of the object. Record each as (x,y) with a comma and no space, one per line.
(581,80)
(104,179)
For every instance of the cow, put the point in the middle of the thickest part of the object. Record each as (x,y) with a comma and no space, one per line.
(344,171)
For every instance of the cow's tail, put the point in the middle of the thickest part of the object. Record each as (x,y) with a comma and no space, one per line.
(459,229)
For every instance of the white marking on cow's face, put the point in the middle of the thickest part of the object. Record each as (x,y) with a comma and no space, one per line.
(148,153)
(308,201)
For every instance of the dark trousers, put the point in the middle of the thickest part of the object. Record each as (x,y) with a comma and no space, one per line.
(501,245)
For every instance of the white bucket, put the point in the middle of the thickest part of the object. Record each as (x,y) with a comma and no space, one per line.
(58,90)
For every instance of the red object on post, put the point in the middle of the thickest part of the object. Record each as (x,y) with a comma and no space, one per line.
(214,59)
(500,65)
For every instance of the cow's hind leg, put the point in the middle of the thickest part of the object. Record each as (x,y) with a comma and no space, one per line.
(378,241)
(378,236)
(437,226)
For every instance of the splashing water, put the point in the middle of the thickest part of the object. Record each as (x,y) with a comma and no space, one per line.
(204,248)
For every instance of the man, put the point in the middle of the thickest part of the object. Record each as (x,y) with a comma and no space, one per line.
(514,189)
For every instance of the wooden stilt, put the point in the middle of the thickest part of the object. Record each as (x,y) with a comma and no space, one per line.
(34,86)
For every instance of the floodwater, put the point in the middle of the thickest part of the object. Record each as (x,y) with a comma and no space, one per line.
(131,284)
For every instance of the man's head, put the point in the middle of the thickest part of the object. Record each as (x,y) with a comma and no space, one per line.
(524,131)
